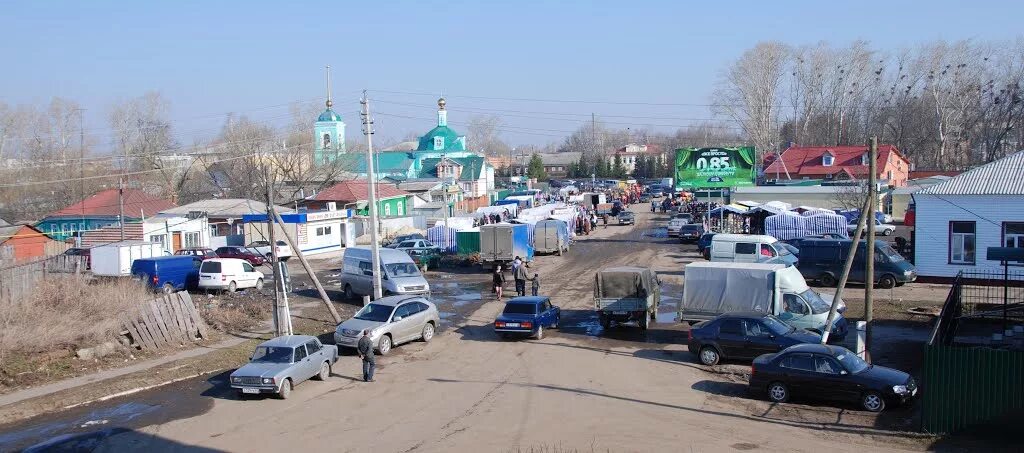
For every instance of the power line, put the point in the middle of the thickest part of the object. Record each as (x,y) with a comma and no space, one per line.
(587,115)
(572,101)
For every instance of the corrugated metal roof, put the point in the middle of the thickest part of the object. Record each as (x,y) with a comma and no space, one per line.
(1002,177)
(222,207)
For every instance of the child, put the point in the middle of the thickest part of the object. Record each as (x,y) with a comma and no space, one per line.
(534,285)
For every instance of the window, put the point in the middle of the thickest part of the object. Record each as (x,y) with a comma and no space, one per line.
(323,231)
(387,209)
(313,346)
(191,239)
(961,242)
(731,327)
(798,362)
(793,304)
(755,329)
(767,250)
(865,159)
(825,365)
(745,248)
(213,231)
(1013,234)
(300,353)
(404,311)
(401,208)
(827,159)
(247,267)
(159,239)
(366,268)
(438,142)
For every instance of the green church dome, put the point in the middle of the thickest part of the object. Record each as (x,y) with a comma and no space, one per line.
(329,115)
(451,139)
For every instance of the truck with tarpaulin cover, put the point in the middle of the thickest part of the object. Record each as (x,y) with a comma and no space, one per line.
(623,294)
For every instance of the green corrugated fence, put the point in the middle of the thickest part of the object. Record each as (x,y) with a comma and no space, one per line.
(467,242)
(967,386)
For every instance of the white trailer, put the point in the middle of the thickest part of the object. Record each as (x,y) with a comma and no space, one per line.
(115,259)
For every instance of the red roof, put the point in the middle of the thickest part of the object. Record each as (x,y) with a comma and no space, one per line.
(357,190)
(807,160)
(137,204)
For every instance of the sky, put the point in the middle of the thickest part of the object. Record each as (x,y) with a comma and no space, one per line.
(542,66)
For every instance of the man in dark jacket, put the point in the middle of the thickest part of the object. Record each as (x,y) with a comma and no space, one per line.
(519,274)
(365,348)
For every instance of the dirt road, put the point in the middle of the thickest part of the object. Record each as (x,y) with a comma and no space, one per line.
(579,389)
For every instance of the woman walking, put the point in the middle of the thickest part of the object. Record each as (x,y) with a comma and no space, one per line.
(498,279)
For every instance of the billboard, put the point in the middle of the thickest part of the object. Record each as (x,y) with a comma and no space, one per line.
(700,168)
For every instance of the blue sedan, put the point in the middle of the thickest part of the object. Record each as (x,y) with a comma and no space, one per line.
(527,316)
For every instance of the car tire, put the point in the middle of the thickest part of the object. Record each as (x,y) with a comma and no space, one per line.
(384,345)
(167,288)
(709,356)
(605,322)
(887,282)
(349,294)
(540,333)
(558,319)
(886,232)
(643,321)
(778,392)
(827,280)
(428,332)
(232,287)
(259,284)
(325,372)
(286,389)
(872,402)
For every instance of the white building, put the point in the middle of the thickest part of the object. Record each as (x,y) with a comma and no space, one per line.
(958,220)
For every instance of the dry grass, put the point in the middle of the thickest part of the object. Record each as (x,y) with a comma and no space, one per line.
(66,313)
(235,312)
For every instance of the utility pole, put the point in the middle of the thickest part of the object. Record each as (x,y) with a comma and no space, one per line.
(371,176)
(847,265)
(869,252)
(120,205)
(81,169)
(281,312)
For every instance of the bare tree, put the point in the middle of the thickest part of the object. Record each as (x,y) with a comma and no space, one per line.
(483,133)
(750,93)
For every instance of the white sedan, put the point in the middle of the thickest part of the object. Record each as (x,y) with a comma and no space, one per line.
(884,229)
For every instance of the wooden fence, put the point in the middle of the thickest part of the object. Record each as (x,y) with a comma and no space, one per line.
(17,282)
(170,320)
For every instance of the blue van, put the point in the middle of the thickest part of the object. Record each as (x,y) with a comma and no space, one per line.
(168,273)
(823,259)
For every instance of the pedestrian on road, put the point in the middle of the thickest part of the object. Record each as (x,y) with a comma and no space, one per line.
(654,206)
(519,274)
(365,349)
(498,280)
(534,284)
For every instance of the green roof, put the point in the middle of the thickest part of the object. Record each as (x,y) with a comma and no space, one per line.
(471,167)
(451,140)
(329,115)
(397,162)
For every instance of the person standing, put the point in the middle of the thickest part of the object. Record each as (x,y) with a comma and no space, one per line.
(519,274)
(534,285)
(498,281)
(365,349)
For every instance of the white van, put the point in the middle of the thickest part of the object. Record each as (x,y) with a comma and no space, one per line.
(228,274)
(750,248)
(400,276)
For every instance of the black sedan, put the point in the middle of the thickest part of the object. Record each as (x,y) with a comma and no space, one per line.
(832,373)
(690,233)
(743,335)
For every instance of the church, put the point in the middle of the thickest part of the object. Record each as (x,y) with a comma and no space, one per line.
(441,155)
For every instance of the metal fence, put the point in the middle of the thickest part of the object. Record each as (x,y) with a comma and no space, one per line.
(967,378)
(968,386)
(17,282)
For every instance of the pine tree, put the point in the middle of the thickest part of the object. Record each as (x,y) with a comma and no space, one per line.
(640,170)
(536,168)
